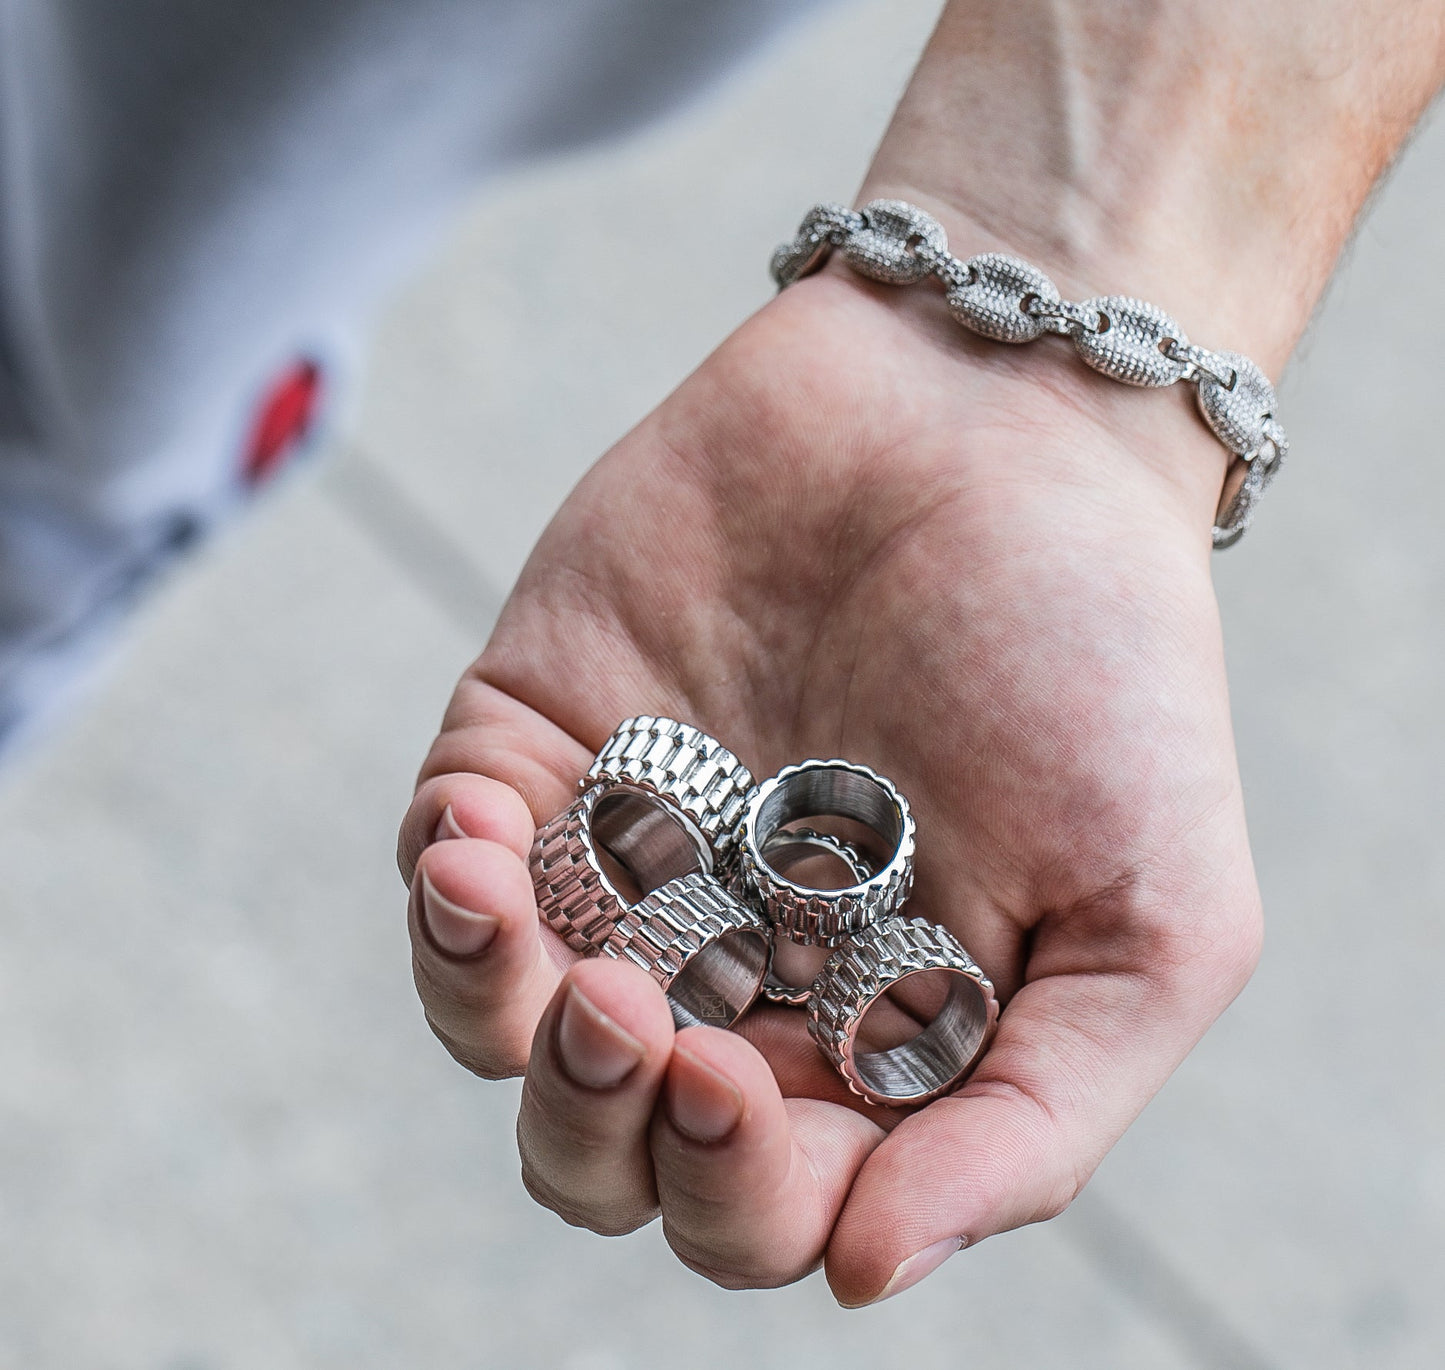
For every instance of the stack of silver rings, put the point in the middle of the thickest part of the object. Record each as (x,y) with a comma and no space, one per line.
(673,858)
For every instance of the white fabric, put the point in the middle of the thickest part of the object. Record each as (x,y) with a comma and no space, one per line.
(193,194)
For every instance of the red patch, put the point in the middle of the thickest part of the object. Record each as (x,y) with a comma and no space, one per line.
(283,420)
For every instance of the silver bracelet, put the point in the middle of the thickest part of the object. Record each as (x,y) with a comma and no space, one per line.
(1008,300)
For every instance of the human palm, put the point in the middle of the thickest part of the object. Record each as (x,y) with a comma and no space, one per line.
(987,577)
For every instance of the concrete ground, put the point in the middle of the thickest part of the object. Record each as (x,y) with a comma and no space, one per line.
(226,1136)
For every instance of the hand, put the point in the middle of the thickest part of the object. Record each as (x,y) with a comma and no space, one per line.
(856,532)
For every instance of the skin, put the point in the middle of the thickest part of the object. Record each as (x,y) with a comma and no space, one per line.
(856,531)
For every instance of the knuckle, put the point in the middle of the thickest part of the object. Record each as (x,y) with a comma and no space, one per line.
(544,1131)
(735,1279)
(607,1219)
(480,1062)
(544,1193)
(735,1271)
(1059,1197)
(1222,953)
(709,1203)
(618,1227)
(1245,947)
(471,992)
(705,1186)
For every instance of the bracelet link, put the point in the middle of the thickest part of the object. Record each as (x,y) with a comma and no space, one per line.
(898,243)
(1200,363)
(1130,343)
(1237,413)
(995,298)
(1010,300)
(823,228)
(1064,318)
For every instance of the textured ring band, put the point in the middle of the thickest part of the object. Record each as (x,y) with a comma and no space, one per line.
(866,966)
(836,789)
(596,858)
(784,851)
(707,949)
(686,767)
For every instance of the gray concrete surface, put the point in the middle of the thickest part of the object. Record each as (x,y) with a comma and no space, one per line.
(226,1137)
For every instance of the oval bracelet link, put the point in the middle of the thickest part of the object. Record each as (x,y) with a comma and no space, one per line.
(1130,342)
(994,297)
(1238,413)
(823,228)
(898,243)
(1007,299)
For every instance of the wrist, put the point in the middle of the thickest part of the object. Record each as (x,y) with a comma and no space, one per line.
(1067,431)
(1207,155)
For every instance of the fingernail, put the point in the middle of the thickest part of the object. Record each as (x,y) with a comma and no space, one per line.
(447,826)
(455,930)
(916,1268)
(701,1103)
(595,1051)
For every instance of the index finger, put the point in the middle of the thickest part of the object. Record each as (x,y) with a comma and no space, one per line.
(489,732)
(498,770)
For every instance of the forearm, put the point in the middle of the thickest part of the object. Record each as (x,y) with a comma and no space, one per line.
(1210,155)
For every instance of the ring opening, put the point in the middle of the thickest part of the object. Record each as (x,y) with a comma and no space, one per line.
(930,1058)
(642,842)
(796,966)
(824,794)
(819,860)
(719,984)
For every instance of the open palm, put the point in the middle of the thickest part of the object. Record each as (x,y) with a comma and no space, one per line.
(986,576)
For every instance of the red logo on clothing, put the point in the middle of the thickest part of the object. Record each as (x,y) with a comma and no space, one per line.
(283,419)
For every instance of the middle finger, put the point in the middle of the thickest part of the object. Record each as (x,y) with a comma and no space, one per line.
(598,1060)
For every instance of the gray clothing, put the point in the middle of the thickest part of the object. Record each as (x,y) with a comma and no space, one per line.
(193,196)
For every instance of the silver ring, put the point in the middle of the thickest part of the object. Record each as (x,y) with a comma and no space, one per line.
(938,1057)
(685,766)
(612,846)
(834,789)
(786,849)
(707,949)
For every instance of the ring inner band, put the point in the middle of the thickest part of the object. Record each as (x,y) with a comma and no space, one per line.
(938,1055)
(786,849)
(720,983)
(827,791)
(652,840)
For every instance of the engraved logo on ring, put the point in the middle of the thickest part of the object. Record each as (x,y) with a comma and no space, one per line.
(713,1008)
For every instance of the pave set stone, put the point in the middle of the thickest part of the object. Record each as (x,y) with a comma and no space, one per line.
(1011,301)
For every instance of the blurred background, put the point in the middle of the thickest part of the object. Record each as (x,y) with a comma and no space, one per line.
(227,1138)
